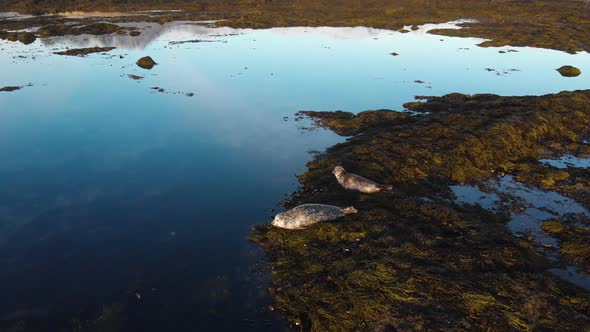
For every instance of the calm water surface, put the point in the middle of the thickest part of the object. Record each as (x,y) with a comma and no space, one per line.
(115,195)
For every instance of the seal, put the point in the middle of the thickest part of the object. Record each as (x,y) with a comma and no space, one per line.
(356,182)
(304,215)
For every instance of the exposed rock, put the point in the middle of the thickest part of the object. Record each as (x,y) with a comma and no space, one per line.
(26,37)
(85,51)
(569,71)
(23,37)
(10,88)
(146,62)
(92,29)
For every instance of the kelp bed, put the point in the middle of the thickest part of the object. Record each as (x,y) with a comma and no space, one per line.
(557,24)
(413,259)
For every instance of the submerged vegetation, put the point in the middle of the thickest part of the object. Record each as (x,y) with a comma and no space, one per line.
(413,259)
(556,24)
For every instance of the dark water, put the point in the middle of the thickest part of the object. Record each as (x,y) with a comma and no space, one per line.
(126,206)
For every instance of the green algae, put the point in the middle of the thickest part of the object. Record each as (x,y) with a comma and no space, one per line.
(412,260)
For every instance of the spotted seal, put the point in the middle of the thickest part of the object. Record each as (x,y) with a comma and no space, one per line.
(356,182)
(308,214)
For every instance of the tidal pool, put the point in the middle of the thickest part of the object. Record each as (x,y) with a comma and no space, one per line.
(528,208)
(117,195)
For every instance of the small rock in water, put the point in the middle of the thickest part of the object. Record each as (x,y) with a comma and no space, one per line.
(569,71)
(146,62)
(135,77)
(10,88)
(82,52)
(26,38)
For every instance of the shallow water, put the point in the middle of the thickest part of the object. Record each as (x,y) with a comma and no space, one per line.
(528,208)
(115,193)
(567,161)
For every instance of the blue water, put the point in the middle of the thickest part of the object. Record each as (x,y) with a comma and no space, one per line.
(113,194)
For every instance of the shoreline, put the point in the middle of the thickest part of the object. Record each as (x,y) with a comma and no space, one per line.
(560,25)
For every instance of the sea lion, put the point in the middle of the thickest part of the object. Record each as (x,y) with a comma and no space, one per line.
(356,182)
(308,214)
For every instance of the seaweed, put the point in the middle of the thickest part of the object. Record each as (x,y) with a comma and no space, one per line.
(76,29)
(574,239)
(81,52)
(412,259)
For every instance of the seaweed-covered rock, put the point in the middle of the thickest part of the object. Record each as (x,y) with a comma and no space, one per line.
(414,260)
(26,37)
(85,51)
(23,37)
(569,71)
(347,124)
(146,62)
(92,29)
